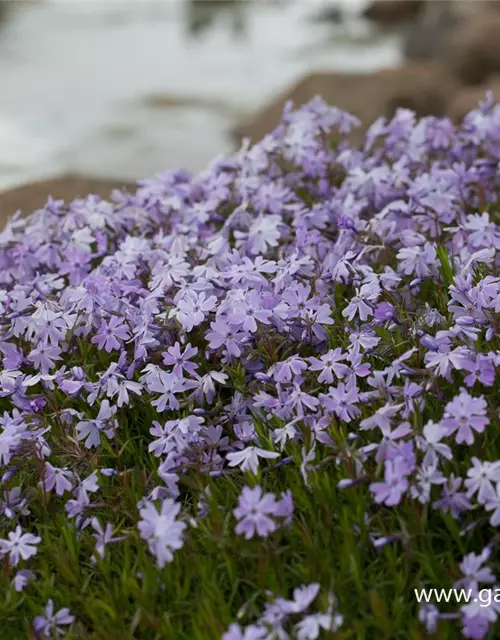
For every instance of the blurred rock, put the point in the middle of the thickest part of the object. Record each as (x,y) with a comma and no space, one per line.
(34,195)
(425,36)
(468,98)
(472,49)
(426,88)
(393,12)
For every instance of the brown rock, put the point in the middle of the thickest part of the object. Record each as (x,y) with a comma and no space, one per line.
(393,12)
(468,98)
(425,88)
(472,49)
(30,197)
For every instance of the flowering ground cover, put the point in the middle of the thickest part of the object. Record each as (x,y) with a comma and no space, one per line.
(261,402)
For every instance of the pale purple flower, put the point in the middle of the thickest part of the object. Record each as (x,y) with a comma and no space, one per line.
(248,459)
(160,528)
(55,477)
(480,479)
(330,364)
(19,546)
(254,513)
(464,415)
(394,485)
(492,503)
(112,334)
(222,334)
(360,305)
(179,360)
(22,579)
(50,623)
(90,430)
(193,308)
(474,571)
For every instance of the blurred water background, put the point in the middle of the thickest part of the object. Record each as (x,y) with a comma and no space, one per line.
(126,89)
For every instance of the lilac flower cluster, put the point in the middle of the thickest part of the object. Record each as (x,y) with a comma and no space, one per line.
(297,303)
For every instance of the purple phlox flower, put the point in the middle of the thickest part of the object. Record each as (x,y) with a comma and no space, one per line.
(103,537)
(356,367)
(281,435)
(382,418)
(298,400)
(342,400)
(14,503)
(482,232)
(287,370)
(90,430)
(160,528)
(168,385)
(433,317)
(254,513)
(431,443)
(419,261)
(303,597)
(464,415)
(21,579)
(13,356)
(466,328)
(329,365)
(284,507)
(492,503)
(308,457)
(248,311)
(428,615)
(51,622)
(362,303)
(452,499)
(112,334)
(193,308)
(19,545)
(312,625)
(475,625)
(174,433)
(56,477)
(480,479)
(395,484)
(363,340)
(384,312)
(481,368)
(263,234)
(399,366)
(204,387)
(248,459)
(389,438)
(77,505)
(44,357)
(478,614)
(412,395)
(426,477)
(222,334)
(167,272)
(444,362)
(474,571)
(180,359)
